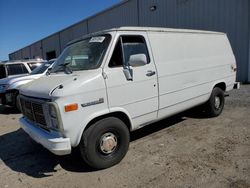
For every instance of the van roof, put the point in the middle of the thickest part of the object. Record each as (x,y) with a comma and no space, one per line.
(161,29)
(154,29)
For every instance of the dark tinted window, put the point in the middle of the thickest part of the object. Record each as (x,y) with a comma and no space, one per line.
(116,59)
(16,69)
(33,65)
(2,72)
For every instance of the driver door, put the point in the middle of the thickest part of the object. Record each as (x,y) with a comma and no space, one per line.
(138,96)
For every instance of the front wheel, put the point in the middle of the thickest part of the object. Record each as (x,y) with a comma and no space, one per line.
(105,143)
(215,104)
(16,102)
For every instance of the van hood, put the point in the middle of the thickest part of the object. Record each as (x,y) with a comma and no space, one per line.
(57,84)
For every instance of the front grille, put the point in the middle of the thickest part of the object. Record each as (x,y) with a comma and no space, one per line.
(33,111)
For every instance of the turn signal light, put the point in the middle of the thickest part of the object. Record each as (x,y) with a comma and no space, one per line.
(71,107)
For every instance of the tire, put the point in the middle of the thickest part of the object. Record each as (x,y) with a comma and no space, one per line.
(16,103)
(98,142)
(215,104)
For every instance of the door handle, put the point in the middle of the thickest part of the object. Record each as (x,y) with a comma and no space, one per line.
(150,73)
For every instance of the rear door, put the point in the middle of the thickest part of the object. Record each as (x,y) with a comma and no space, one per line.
(139,96)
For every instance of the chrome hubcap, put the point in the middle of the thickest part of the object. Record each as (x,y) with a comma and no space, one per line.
(108,143)
(217,102)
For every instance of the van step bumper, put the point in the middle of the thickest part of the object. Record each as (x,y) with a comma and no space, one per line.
(56,144)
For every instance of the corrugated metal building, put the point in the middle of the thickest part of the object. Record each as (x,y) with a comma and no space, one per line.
(230,16)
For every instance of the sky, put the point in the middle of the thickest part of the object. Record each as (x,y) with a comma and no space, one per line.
(23,22)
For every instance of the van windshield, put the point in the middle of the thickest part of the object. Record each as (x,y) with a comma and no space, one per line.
(86,54)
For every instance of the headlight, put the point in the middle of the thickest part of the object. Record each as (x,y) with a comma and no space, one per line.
(52,117)
(52,111)
(3,88)
(54,124)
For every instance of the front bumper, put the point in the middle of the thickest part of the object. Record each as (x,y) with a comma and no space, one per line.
(56,144)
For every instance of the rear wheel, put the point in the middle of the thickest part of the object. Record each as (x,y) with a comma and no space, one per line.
(105,143)
(215,105)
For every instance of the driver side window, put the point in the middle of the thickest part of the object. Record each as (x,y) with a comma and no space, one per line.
(131,45)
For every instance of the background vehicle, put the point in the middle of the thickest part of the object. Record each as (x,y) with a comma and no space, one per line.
(109,83)
(12,84)
(18,67)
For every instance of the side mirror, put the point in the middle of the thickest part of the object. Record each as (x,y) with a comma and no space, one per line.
(137,60)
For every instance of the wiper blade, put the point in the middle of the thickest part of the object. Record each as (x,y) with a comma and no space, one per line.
(48,71)
(66,69)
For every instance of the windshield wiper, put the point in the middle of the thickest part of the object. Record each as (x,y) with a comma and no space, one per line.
(66,69)
(48,71)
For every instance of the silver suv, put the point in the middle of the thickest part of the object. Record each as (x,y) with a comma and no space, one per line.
(18,67)
(13,69)
(9,94)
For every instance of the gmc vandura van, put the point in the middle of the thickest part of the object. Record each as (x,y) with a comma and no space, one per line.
(107,84)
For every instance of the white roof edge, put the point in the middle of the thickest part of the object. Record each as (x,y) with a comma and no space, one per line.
(162,29)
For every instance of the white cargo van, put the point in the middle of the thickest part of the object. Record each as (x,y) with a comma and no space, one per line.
(109,83)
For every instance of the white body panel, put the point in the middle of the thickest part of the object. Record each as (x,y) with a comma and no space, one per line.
(188,64)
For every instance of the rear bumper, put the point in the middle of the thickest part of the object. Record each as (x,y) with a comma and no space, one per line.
(55,144)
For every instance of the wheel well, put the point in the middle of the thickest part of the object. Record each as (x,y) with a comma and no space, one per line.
(221,85)
(120,115)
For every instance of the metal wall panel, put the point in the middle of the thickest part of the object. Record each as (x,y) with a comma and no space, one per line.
(122,15)
(72,33)
(230,16)
(36,50)
(18,54)
(51,43)
(12,56)
(26,52)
